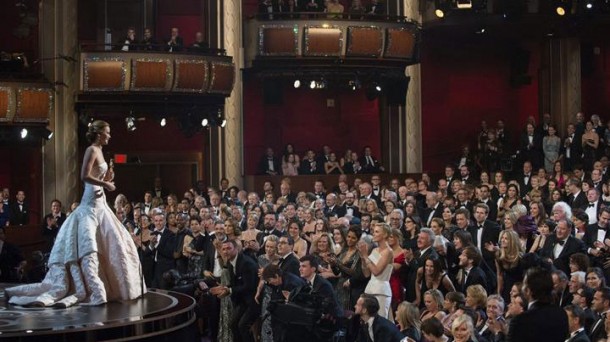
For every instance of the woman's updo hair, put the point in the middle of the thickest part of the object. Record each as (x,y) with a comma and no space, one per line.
(95,129)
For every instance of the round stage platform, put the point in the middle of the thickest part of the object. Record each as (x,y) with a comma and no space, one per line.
(156,316)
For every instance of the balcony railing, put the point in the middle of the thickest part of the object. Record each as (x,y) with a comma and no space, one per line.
(314,38)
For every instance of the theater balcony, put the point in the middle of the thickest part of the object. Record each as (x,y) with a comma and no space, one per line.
(154,82)
(322,47)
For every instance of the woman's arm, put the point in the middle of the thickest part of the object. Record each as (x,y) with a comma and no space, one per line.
(418,280)
(385,260)
(500,278)
(447,283)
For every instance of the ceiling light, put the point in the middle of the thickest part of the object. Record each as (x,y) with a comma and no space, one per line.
(464,4)
(23,133)
(163,122)
(223,123)
(378,87)
(48,134)
(205,122)
(297,83)
(560,11)
(439,13)
(312,84)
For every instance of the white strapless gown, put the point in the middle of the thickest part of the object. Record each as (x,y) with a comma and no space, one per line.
(94,259)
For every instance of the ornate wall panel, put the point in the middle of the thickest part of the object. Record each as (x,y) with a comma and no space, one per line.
(364,41)
(222,79)
(323,41)
(191,76)
(400,43)
(278,40)
(7,104)
(151,74)
(33,105)
(104,74)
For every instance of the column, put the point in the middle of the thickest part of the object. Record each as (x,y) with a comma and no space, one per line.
(413,115)
(58,36)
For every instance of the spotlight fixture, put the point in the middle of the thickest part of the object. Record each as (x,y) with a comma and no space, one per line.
(205,122)
(442,7)
(562,7)
(131,123)
(377,87)
(589,4)
(464,4)
(47,134)
(312,85)
(439,13)
(163,122)
(223,123)
(297,83)
(23,133)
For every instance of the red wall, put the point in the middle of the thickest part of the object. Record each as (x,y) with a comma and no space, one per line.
(465,82)
(596,79)
(305,121)
(183,14)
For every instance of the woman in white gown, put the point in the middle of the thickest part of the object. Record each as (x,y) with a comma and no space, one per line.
(379,266)
(94,259)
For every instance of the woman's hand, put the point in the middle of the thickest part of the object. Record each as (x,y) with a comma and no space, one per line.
(109,186)
(109,175)
(363,249)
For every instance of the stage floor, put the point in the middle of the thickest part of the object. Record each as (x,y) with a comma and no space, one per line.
(156,313)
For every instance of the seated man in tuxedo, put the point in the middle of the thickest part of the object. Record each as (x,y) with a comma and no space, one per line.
(175,43)
(372,326)
(470,273)
(576,324)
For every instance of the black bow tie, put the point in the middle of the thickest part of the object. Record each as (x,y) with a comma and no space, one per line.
(480,227)
(591,205)
(561,242)
(526,176)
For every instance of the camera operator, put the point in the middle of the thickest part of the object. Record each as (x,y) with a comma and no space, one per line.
(315,308)
(281,284)
(372,326)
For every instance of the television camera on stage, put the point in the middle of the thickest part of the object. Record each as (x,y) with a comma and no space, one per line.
(306,316)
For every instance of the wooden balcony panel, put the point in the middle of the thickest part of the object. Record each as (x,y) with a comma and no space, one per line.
(222,78)
(364,41)
(324,41)
(400,43)
(33,105)
(151,74)
(7,104)
(278,40)
(191,76)
(104,74)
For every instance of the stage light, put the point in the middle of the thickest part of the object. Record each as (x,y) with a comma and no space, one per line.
(205,122)
(48,134)
(130,121)
(589,4)
(562,7)
(23,133)
(560,11)
(464,4)
(223,123)
(297,83)
(312,85)
(378,87)
(163,122)
(439,13)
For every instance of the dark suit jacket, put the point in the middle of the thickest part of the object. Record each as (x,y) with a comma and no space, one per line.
(436,212)
(476,276)
(308,168)
(580,201)
(290,264)
(491,233)
(245,281)
(323,288)
(532,153)
(383,330)
(542,322)
(581,336)
(368,167)
(591,235)
(572,245)
(52,232)
(336,209)
(493,208)
(165,256)
(263,166)
(19,217)
(355,210)
(178,46)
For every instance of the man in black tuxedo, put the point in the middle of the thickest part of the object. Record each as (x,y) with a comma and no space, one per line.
(149,43)
(289,263)
(561,291)
(434,208)
(595,235)
(531,146)
(269,225)
(372,326)
(543,321)
(560,246)
(594,205)
(470,273)
(242,288)
(369,163)
(162,246)
(375,7)
(158,189)
(19,210)
(321,287)
(577,199)
(487,232)
(269,164)
(601,305)
(366,192)
(331,206)
(572,148)
(465,175)
(286,192)
(309,164)
(576,324)
(175,42)
(525,178)
(348,206)
(462,221)
(495,317)
(492,204)
(128,43)
(51,224)
(597,180)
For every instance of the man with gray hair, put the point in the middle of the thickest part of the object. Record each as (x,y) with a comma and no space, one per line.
(577,281)
(425,240)
(433,208)
(495,316)
(397,219)
(561,211)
